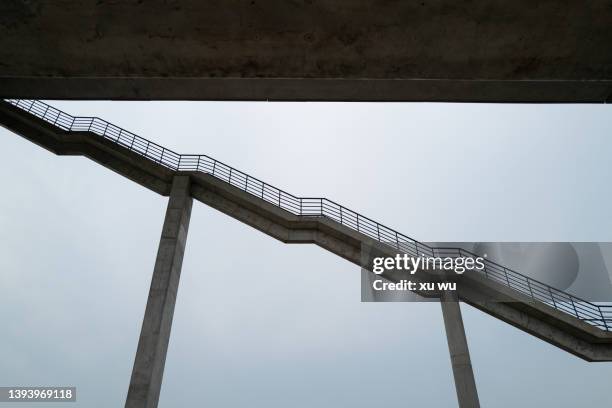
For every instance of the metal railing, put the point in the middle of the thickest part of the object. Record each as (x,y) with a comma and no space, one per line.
(594,314)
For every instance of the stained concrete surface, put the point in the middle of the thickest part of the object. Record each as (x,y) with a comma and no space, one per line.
(385,50)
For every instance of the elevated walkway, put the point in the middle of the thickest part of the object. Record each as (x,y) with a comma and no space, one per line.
(580,327)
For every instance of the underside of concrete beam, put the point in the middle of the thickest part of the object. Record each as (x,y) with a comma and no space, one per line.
(309,89)
(329,50)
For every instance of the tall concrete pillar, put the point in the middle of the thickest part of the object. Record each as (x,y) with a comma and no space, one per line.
(465,384)
(155,333)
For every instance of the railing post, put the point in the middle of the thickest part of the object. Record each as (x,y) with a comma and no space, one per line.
(552,297)
(530,290)
(341,215)
(321,206)
(574,306)
(246,183)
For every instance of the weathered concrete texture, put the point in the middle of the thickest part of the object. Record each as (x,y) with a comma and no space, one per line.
(465,384)
(150,358)
(438,50)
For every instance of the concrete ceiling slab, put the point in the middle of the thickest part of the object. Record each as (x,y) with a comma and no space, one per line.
(331,50)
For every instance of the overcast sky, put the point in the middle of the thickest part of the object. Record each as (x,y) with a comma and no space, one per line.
(261,323)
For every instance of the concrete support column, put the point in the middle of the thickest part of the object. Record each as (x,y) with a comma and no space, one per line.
(459,352)
(150,358)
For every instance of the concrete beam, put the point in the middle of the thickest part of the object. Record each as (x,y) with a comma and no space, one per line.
(333,50)
(465,384)
(148,370)
(307,89)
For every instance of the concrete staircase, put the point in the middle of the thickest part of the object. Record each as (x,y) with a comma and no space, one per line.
(580,327)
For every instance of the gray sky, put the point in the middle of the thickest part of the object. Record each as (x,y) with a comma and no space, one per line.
(262,323)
